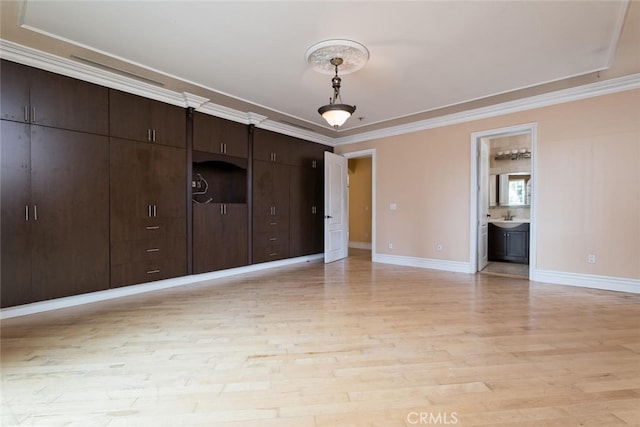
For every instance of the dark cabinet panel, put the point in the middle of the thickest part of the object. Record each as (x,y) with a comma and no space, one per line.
(48,99)
(15,155)
(61,220)
(215,135)
(509,244)
(270,211)
(220,237)
(141,119)
(148,212)
(272,147)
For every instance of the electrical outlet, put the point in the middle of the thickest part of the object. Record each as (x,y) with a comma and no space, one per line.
(439,247)
(591,258)
(393,206)
(390,245)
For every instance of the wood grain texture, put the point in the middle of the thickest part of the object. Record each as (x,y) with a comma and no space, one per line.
(347,344)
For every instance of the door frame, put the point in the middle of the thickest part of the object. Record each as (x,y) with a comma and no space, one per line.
(532,129)
(359,155)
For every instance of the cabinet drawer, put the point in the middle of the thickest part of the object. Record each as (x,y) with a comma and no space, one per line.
(147,271)
(271,224)
(271,251)
(147,228)
(147,250)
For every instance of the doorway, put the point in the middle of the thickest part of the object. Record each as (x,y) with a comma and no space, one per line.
(502,223)
(362,202)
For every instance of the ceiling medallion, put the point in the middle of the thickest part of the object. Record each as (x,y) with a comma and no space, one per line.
(353,54)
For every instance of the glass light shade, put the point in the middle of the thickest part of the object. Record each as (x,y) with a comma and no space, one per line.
(336,114)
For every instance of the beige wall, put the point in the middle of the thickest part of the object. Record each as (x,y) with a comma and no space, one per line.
(360,200)
(588,187)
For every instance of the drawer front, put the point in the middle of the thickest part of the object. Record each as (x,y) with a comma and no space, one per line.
(147,271)
(147,228)
(147,250)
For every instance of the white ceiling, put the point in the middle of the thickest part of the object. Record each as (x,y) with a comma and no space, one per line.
(424,55)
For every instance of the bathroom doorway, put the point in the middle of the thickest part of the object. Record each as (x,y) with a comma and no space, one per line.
(503,201)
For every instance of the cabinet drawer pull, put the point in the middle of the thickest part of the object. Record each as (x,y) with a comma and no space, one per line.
(273,223)
(273,254)
(273,239)
(153,227)
(153,271)
(153,250)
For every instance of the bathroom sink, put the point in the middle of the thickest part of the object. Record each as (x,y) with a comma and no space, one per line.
(509,223)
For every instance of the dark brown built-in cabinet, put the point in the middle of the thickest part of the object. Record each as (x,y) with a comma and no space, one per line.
(94,189)
(55,186)
(509,244)
(219,194)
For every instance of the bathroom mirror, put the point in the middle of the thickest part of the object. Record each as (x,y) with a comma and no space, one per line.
(514,189)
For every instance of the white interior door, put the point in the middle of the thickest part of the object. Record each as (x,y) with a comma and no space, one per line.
(336,223)
(483,204)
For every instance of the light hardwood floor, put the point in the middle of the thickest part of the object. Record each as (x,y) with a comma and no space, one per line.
(347,344)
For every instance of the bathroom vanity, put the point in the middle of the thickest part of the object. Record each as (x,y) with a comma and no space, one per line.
(509,241)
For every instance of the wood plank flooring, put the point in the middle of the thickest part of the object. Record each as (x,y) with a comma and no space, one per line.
(347,344)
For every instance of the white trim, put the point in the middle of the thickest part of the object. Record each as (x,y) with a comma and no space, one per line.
(46,61)
(577,93)
(608,283)
(72,301)
(434,264)
(359,245)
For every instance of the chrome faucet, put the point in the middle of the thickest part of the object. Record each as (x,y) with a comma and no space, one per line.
(508,217)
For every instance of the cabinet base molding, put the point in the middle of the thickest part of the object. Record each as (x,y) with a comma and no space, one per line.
(76,300)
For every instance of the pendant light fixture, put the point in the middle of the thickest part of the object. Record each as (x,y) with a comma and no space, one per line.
(325,57)
(336,113)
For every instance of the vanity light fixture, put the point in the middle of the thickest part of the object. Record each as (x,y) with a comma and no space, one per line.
(523,153)
(336,113)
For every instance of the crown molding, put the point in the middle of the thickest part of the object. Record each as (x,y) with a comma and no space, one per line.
(76,69)
(577,93)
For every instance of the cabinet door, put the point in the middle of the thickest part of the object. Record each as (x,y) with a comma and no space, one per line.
(271,146)
(17,214)
(70,190)
(14,102)
(497,243)
(168,177)
(168,124)
(215,135)
(301,211)
(129,116)
(220,236)
(66,103)
(517,245)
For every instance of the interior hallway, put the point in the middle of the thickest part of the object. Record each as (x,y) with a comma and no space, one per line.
(347,344)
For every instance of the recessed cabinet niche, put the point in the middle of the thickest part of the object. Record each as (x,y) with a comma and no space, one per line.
(219,194)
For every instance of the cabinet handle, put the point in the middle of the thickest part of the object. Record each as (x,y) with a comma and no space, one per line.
(221,210)
(153,250)
(26,212)
(149,135)
(225,209)
(155,208)
(35,212)
(154,135)
(153,271)
(221,148)
(273,239)
(26,113)
(273,223)
(149,211)
(33,114)
(153,227)
(313,164)
(273,254)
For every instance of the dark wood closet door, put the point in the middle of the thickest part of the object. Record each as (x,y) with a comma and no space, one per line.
(66,103)
(14,81)
(70,189)
(16,219)
(168,124)
(168,175)
(129,116)
(215,135)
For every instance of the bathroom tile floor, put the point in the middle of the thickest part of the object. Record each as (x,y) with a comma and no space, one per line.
(507,268)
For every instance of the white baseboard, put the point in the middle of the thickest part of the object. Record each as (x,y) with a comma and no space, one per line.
(435,264)
(55,304)
(360,245)
(608,283)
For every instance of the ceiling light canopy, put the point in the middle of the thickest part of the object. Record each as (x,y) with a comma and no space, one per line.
(325,57)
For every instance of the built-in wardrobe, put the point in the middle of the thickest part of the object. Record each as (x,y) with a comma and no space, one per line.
(102,189)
